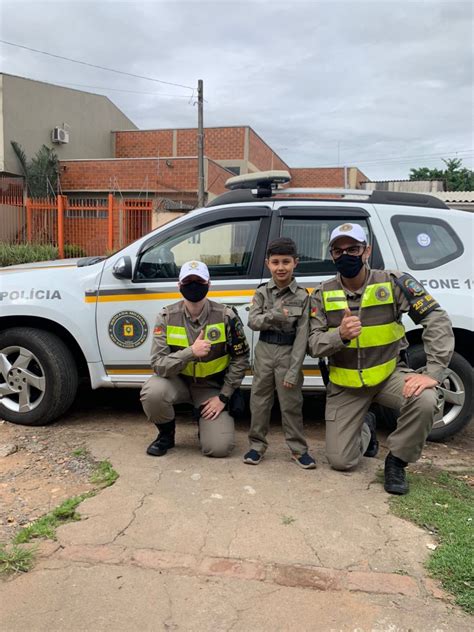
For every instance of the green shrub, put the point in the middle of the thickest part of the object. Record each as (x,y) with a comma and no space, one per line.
(15,254)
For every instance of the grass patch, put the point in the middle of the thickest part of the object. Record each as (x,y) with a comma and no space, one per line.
(15,559)
(104,475)
(79,452)
(286,520)
(443,504)
(45,527)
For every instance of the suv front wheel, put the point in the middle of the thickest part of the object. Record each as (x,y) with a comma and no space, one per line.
(38,376)
(458,391)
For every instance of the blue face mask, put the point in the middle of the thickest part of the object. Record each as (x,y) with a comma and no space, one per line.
(349,266)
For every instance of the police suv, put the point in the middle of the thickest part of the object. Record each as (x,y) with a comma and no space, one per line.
(93,317)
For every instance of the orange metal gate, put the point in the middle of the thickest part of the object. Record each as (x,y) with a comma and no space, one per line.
(79,226)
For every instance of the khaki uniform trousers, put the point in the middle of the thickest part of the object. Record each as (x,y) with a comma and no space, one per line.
(270,367)
(158,396)
(347,437)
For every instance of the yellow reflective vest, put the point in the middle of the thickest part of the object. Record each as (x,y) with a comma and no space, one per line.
(217,359)
(372,357)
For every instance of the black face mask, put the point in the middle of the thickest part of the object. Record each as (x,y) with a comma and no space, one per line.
(349,266)
(194,291)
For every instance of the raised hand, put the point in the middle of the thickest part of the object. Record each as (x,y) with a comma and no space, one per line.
(200,346)
(350,326)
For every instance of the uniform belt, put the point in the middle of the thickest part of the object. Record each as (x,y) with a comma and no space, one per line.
(277,337)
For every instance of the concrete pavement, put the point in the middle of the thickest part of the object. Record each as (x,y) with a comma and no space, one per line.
(189,543)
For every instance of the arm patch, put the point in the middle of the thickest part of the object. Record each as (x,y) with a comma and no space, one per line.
(237,341)
(421,303)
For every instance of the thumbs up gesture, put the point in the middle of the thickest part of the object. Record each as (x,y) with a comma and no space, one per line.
(350,326)
(200,346)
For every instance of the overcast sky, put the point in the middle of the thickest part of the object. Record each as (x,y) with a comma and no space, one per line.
(382,85)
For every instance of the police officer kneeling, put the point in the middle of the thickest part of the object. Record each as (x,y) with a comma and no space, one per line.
(199,355)
(356,323)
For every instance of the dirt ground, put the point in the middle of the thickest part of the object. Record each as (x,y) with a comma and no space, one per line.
(49,464)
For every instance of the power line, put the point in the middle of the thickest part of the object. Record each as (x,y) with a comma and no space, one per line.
(157,94)
(85,63)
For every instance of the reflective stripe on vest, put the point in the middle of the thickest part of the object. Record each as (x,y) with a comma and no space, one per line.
(371,377)
(352,367)
(376,335)
(176,336)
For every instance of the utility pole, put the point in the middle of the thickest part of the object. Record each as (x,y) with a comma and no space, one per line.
(200,145)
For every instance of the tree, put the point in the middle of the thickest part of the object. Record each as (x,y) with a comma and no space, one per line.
(455,176)
(41,172)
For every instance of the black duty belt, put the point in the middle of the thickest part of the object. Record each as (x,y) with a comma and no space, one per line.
(277,337)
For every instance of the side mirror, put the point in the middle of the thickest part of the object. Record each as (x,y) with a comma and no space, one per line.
(123,268)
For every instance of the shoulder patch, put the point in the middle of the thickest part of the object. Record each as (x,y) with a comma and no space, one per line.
(421,303)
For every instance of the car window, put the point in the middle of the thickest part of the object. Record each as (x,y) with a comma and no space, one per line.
(426,242)
(312,241)
(226,248)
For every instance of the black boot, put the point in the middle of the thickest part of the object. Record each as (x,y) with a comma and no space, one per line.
(371,421)
(164,441)
(395,477)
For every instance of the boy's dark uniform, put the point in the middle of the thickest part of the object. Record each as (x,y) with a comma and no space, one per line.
(279,356)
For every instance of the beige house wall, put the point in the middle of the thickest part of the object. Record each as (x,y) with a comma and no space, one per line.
(31,109)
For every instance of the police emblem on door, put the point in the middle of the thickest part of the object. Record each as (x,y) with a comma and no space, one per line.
(128,330)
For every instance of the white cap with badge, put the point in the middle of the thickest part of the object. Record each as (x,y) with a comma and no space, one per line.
(194,268)
(354,231)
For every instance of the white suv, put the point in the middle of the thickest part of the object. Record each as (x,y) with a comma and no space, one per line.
(94,317)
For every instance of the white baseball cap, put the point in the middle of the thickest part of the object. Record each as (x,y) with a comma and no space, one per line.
(194,268)
(354,231)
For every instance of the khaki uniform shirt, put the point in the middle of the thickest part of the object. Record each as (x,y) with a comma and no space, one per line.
(168,364)
(266,314)
(438,337)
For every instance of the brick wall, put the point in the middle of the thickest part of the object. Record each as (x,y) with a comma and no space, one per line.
(317,177)
(129,175)
(216,178)
(144,144)
(220,143)
(263,156)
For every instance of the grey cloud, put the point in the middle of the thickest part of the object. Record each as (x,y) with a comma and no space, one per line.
(380,79)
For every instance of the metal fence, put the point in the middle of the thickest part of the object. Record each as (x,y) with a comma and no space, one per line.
(77,226)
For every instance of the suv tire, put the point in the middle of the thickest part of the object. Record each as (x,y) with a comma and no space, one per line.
(455,416)
(37,374)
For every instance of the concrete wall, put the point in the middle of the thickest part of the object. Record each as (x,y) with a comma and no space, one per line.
(407,186)
(31,109)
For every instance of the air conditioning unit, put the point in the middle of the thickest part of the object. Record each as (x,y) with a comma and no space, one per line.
(60,135)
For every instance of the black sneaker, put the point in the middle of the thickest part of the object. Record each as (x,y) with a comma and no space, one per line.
(164,441)
(371,421)
(305,461)
(253,457)
(395,476)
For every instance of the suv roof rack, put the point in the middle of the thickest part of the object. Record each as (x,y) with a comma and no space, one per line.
(242,196)
(263,185)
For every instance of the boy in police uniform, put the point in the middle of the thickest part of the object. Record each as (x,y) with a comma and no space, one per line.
(199,355)
(280,312)
(356,323)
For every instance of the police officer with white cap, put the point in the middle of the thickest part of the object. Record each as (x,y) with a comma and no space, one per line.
(199,355)
(355,321)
